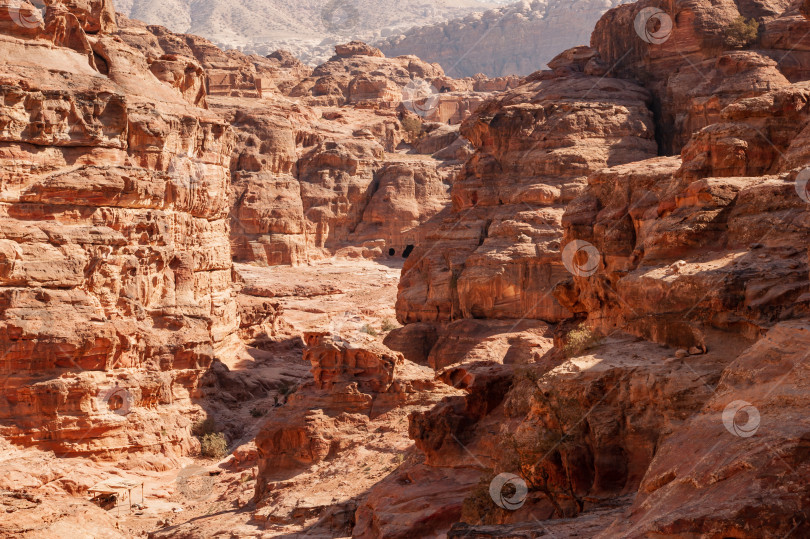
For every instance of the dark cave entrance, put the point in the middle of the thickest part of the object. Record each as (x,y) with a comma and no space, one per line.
(407,252)
(392,251)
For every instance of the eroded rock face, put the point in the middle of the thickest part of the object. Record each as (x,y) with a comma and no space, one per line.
(318,176)
(116,279)
(690,70)
(335,363)
(310,183)
(693,297)
(355,385)
(497,255)
(125,202)
(757,453)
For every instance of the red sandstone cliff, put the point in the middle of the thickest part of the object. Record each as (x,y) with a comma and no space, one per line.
(648,382)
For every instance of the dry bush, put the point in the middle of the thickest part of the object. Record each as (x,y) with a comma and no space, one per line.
(369,330)
(478,507)
(204,426)
(213,445)
(741,33)
(579,340)
(412,126)
(388,325)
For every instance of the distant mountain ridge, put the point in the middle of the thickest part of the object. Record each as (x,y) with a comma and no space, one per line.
(307,28)
(516,39)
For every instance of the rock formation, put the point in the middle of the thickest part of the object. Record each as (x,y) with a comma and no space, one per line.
(604,305)
(137,165)
(357,388)
(696,263)
(498,254)
(116,274)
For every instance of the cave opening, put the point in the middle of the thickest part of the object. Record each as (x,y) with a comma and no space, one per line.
(407,252)
(392,251)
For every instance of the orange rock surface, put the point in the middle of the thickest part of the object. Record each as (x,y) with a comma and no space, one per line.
(600,273)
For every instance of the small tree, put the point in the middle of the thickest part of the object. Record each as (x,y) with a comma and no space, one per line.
(478,507)
(741,33)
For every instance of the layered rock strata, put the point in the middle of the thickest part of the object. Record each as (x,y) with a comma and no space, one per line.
(116,272)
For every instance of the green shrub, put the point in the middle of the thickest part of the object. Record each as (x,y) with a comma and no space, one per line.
(741,33)
(388,325)
(213,445)
(579,340)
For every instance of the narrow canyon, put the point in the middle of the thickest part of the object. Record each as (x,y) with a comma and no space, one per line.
(241,296)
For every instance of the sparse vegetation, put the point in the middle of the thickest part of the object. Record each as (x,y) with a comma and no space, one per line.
(578,340)
(412,126)
(203,427)
(518,401)
(741,33)
(539,454)
(535,452)
(213,445)
(388,325)
(478,507)
(286,388)
(369,330)
(255,412)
